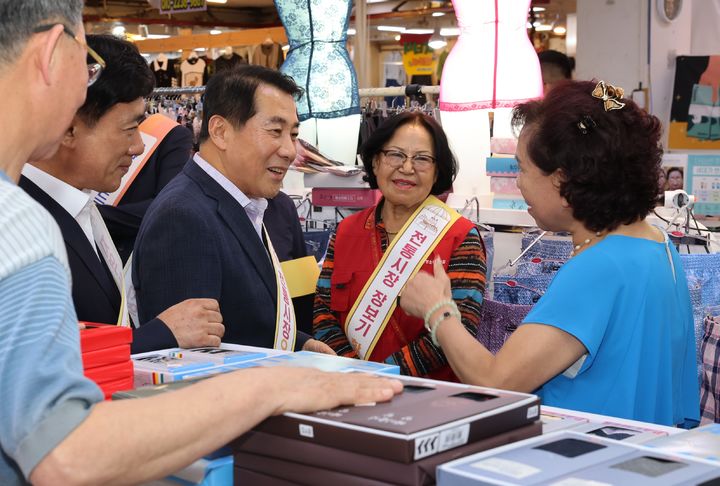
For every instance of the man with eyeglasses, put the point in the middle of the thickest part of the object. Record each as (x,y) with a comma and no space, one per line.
(54,429)
(95,153)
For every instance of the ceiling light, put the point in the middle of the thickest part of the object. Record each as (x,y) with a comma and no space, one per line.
(449,31)
(438,14)
(390,28)
(199,49)
(534,9)
(543,28)
(397,37)
(216,1)
(419,31)
(560,30)
(375,1)
(351,32)
(158,36)
(437,42)
(215,32)
(118,31)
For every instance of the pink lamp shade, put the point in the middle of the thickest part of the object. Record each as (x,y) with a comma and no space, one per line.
(493,63)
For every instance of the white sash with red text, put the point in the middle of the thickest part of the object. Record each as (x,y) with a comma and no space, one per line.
(403,259)
(285,327)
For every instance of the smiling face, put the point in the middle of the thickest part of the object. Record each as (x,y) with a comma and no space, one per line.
(406,186)
(103,153)
(258,154)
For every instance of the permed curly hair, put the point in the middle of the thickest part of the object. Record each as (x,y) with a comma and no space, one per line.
(610,160)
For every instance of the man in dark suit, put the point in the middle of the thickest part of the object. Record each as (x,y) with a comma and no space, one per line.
(95,153)
(123,220)
(203,235)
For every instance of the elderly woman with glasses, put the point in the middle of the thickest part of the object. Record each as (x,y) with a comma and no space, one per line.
(374,253)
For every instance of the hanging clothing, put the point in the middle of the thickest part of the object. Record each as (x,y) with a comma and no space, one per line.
(192,70)
(224,63)
(318,59)
(507,72)
(164,70)
(268,54)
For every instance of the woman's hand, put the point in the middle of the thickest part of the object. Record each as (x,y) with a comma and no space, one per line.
(423,291)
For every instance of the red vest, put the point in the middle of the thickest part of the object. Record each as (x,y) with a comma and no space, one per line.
(357,254)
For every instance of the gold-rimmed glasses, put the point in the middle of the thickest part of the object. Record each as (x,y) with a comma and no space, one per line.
(95,68)
(396,159)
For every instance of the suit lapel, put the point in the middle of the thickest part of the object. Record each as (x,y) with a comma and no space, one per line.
(239,224)
(75,240)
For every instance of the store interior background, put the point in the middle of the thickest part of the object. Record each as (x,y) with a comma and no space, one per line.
(624,41)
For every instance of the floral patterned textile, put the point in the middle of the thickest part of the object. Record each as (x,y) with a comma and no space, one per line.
(318,59)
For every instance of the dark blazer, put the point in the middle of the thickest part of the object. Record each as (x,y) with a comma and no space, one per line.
(197,242)
(94,292)
(283,225)
(166,162)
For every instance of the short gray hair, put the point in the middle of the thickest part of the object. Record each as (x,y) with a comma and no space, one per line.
(18,19)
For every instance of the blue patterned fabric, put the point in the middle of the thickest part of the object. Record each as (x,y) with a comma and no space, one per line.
(545,258)
(497,321)
(519,289)
(703,276)
(318,59)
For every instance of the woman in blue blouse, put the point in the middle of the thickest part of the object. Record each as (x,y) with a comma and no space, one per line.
(613,334)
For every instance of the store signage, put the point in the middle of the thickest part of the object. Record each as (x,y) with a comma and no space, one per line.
(180,6)
(418,57)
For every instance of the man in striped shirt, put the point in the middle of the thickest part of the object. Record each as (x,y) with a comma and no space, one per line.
(53,427)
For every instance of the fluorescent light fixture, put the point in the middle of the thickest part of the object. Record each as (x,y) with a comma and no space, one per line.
(419,31)
(390,28)
(199,49)
(544,28)
(158,36)
(351,32)
(537,23)
(438,14)
(376,1)
(216,1)
(144,54)
(450,31)
(215,32)
(560,30)
(437,43)
(534,9)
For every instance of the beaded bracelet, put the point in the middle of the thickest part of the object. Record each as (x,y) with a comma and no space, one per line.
(432,310)
(445,315)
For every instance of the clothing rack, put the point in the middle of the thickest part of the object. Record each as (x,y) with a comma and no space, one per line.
(187,90)
(409,90)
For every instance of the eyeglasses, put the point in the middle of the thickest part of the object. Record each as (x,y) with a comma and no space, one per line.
(95,68)
(396,159)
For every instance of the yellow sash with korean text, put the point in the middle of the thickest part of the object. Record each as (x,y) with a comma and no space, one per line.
(285,326)
(403,259)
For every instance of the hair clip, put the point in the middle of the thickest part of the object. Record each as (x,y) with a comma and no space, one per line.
(586,124)
(610,95)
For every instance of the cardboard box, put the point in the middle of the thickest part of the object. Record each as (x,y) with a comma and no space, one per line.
(291,453)
(572,458)
(428,418)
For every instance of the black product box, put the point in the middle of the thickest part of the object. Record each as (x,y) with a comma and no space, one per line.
(428,418)
(312,464)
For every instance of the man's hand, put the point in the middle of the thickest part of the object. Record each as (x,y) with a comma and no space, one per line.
(318,347)
(195,322)
(310,390)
